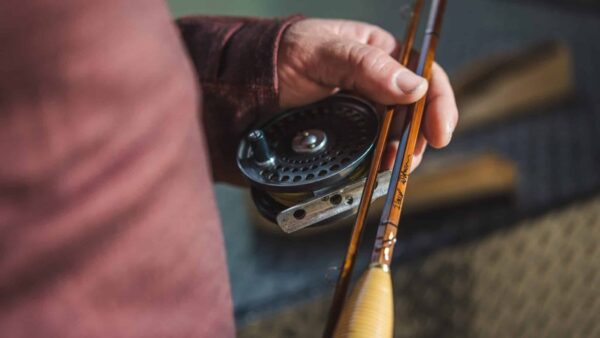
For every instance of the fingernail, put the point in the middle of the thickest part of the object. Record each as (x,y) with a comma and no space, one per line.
(449,131)
(409,82)
(450,125)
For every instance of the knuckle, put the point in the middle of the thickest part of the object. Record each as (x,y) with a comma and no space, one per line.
(369,59)
(384,35)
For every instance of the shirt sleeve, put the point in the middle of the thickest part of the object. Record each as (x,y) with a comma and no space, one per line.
(236,63)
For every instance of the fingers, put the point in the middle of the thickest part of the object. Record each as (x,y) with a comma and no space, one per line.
(438,125)
(442,114)
(389,156)
(391,149)
(368,70)
(367,34)
(420,148)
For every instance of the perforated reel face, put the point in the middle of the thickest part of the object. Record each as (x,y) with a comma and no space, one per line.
(313,146)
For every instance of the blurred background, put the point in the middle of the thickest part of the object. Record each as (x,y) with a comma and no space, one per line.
(510,251)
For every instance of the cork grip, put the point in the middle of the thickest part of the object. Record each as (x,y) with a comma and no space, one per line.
(369,312)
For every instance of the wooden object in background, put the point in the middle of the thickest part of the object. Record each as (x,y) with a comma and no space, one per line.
(452,181)
(439,182)
(504,86)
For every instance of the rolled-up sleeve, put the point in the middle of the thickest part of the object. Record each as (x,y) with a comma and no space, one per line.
(236,63)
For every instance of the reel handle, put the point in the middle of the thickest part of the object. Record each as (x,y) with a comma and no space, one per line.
(369,312)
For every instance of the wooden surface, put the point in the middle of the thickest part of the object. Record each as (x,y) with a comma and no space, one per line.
(506,85)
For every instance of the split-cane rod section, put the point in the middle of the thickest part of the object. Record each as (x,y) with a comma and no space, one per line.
(369,309)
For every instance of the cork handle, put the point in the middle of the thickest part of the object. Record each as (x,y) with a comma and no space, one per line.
(369,312)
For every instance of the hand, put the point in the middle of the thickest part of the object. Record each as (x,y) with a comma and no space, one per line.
(318,57)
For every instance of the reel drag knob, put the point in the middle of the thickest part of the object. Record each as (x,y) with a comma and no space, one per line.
(260,148)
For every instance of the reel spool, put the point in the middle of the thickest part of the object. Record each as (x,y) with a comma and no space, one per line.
(307,153)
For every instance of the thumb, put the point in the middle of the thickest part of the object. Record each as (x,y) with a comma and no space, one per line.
(367,70)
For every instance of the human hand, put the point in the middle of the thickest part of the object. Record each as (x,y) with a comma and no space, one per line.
(318,57)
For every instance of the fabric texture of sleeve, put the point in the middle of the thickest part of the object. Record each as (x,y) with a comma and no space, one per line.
(236,63)
(108,221)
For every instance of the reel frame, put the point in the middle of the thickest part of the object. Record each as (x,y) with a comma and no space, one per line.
(304,164)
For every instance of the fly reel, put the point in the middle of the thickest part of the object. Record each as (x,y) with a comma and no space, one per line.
(307,165)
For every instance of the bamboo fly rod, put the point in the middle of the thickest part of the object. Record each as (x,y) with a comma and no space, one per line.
(345,273)
(369,311)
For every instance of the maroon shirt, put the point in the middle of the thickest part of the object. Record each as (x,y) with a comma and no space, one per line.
(108,224)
